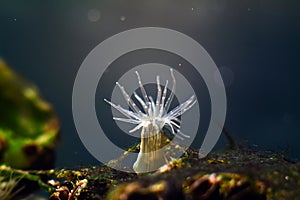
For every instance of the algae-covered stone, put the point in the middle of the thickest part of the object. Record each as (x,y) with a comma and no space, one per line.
(28,124)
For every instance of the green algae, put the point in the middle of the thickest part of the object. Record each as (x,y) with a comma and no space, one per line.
(28,124)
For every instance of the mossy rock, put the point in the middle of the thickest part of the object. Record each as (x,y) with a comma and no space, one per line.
(28,124)
(238,174)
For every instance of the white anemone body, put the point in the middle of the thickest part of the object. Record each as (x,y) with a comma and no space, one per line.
(151,120)
(151,156)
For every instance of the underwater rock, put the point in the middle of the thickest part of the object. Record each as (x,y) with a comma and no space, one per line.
(200,187)
(224,186)
(226,175)
(163,189)
(28,125)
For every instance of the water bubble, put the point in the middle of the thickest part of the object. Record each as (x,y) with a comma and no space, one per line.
(122,18)
(94,15)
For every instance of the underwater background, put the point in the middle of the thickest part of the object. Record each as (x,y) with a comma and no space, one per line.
(255,44)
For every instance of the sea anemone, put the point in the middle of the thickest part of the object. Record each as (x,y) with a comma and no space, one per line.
(154,116)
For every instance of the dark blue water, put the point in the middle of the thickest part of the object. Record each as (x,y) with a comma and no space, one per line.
(255,44)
